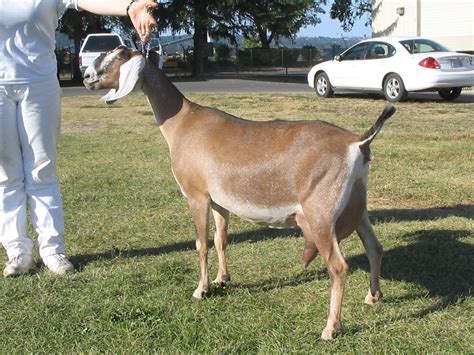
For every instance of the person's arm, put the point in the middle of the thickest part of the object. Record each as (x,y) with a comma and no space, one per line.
(142,20)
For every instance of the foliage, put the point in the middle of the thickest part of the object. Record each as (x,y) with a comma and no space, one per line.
(222,52)
(269,20)
(123,25)
(347,11)
(252,42)
(192,16)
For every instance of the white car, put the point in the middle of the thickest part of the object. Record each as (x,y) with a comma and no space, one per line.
(395,66)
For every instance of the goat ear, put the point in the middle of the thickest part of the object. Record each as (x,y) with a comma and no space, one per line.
(130,79)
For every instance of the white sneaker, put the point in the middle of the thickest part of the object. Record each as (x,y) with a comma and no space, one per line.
(59,264)
(18,265)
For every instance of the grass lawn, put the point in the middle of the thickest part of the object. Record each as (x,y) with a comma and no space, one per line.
(130,235)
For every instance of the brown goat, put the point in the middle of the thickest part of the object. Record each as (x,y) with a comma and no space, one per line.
(307,174)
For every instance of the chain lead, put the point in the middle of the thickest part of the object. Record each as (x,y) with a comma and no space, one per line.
(147,47)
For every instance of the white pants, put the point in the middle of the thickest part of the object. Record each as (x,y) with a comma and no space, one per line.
(29,133)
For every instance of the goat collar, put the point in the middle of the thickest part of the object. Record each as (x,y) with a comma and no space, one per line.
(130,79)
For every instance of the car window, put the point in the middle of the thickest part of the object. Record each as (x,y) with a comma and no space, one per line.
(356,52)
(379,50)
(101,43)
(423,46)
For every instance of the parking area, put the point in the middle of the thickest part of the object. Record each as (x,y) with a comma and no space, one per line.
(270,85)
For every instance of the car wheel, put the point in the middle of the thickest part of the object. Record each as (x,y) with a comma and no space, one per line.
(450,94)
(322,85)
(394,89)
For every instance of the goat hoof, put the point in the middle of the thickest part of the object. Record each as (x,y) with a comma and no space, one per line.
(328,334)
(221,281)
(199,295)
(372,299)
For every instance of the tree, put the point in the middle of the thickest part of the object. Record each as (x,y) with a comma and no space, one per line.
(347,11)
(270,20)
(123,25)
(267,20)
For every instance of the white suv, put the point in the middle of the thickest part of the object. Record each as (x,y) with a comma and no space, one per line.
(97,43)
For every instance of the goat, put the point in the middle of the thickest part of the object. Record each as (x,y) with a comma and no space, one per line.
(307,174)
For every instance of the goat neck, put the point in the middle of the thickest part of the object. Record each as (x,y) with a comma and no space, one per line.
(166,101)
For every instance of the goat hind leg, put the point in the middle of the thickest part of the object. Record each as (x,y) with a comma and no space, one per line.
(221,219)
(323,229)
(374,251)
(338,269)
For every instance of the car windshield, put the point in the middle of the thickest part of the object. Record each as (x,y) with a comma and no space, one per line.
(101,43)
(423,46)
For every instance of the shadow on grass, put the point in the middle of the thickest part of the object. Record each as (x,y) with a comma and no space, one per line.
(435,259)
(421,214)
(80,261)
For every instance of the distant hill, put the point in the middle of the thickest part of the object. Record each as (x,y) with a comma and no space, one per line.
(174,43)
(320,42)
(171,45)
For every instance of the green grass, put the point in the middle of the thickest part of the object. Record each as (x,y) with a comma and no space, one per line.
(129,233)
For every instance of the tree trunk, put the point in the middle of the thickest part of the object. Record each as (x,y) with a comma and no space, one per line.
(199,38)
(262,35)
(76,74)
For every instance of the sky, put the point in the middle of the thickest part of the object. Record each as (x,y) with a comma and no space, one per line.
(332,28)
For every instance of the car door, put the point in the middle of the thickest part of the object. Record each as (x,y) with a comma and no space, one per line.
(346,71)
(376,64)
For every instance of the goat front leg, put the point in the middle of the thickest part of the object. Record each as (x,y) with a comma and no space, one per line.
(221,219)
(200,212)
(374,251)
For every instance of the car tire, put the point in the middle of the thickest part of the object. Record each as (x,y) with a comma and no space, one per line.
(394,88)
(450,94)
(323,86)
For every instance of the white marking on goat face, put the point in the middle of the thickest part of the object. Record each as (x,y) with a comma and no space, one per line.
(104,73)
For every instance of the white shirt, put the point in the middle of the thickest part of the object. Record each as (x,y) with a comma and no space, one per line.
(27,39)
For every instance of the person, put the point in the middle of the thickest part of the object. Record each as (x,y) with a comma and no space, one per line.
(30,122)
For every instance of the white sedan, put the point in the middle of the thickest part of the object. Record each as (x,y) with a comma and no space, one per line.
(395,66)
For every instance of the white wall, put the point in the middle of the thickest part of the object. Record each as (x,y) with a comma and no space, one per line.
(386,21)
(450,22)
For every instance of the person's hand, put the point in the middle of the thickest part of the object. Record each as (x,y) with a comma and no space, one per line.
(142,19)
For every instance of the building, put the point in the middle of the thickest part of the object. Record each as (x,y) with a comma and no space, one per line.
(449,22)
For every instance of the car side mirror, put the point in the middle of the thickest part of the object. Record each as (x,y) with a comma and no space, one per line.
(337,58)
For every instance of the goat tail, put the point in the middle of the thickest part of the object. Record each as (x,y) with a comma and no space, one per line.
(372,132)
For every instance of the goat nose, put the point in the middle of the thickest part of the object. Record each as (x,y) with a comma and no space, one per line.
(86,75)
